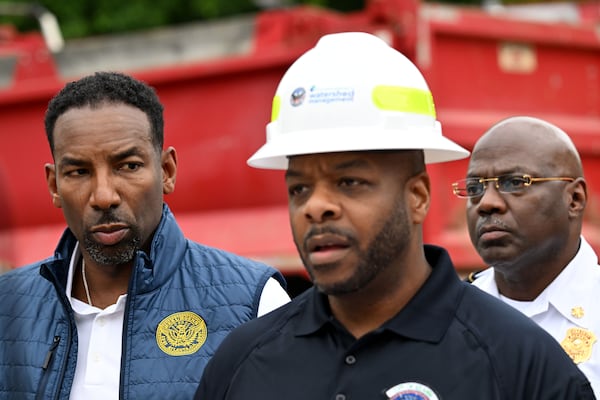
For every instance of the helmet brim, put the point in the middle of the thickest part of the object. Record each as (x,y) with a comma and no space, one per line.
(275,153)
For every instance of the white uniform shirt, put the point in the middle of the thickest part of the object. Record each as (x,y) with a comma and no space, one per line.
(570,301)
(99,356)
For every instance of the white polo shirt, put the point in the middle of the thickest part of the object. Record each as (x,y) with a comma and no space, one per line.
(568,309)
(99,332)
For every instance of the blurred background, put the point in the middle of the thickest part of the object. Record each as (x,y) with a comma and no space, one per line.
(215,65)
(97,17)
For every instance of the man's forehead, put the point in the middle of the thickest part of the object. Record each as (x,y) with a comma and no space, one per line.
(494,158)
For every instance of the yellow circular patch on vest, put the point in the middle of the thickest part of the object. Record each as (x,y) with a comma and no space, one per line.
(181,334)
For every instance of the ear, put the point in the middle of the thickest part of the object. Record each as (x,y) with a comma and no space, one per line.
(52,185)
(169,169)
(419,197)
(577,192)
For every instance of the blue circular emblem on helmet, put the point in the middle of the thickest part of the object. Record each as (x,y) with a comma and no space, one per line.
(297,96)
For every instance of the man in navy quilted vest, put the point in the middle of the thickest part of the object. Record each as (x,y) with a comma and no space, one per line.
(127,307)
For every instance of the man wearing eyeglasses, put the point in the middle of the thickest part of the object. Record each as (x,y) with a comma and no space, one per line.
(526,196)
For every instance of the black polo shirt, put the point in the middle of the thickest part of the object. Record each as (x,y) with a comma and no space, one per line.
(451,341)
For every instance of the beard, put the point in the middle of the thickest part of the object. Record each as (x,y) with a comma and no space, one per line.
(120,253)
(386,247)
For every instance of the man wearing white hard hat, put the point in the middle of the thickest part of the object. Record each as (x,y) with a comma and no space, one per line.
(353,126)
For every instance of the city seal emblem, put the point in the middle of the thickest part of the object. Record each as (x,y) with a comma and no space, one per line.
(411,391)
(181,334)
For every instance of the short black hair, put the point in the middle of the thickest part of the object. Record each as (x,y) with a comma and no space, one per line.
(107,88)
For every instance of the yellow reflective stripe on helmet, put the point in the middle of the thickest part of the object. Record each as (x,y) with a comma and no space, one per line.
(275,108)
(404,99)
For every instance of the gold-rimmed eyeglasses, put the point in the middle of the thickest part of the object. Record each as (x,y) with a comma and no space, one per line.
(475,187)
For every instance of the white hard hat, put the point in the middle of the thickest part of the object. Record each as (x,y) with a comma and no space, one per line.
(352,92)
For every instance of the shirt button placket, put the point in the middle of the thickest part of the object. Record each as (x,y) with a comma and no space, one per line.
(349,360)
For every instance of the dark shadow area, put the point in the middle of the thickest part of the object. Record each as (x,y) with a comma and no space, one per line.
(296,284)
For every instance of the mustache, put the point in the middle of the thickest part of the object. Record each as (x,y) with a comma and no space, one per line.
(108,217)
(491,220)
(320,230)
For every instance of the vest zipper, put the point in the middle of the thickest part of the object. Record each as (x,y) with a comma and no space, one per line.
(51,352)
(42,387)
(49,274)
(131,290)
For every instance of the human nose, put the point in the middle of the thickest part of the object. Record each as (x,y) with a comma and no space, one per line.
(491,201)
(104,193)
(322,205)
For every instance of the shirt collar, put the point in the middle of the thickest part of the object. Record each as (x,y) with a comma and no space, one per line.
(74,259)
(80,307)
(427,315)
(582,273)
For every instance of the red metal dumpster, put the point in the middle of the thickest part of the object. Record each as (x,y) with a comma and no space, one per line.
(481,65)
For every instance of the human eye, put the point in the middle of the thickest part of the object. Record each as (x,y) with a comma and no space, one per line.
(75,172)
(512,183)
(296,190)
(473,187)
(351,182)
(130,166)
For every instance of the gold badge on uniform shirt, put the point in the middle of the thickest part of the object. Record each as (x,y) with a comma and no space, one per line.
(181,333)
(578,344)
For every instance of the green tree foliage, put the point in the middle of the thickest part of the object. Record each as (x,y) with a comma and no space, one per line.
(80,18)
